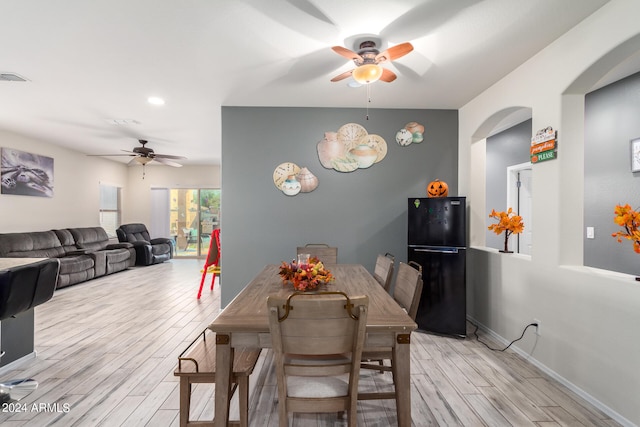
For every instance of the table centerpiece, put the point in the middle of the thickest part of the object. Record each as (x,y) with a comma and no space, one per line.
(305,276)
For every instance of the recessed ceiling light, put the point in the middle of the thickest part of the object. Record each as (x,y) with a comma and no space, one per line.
(155,100)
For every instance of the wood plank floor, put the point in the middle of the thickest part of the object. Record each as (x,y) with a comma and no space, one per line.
(107,349)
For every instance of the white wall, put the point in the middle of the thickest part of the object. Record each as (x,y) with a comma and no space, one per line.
(76,189)
(589,317)
(137,195)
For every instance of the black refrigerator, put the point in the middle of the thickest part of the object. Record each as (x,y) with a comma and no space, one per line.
(437,241)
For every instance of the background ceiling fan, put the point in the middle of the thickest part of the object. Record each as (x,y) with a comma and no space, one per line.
(368,60)
(143,155)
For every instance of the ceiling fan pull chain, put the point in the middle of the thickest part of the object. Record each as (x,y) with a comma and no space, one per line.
(368,99)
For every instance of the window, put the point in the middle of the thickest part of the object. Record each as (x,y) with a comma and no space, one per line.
(110,208)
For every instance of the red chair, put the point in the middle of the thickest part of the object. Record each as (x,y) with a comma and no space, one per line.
(212,264)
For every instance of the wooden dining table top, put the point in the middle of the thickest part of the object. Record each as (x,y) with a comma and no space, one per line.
(247,312)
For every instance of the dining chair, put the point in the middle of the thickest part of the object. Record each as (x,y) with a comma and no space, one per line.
(325,253)
(212,263)
(383,271)
(406,292)
(197,364)
(317,342)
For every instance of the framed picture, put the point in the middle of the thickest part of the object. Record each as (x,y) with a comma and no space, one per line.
(635,155)
(26,174)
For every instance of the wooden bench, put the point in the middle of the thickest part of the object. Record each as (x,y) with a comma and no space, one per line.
(197,364)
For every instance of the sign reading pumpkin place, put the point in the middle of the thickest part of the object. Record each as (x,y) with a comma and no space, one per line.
(544,145)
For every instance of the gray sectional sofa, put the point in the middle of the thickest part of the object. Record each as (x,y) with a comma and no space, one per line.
(84,253)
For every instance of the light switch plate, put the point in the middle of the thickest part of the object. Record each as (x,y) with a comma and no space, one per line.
(591,233)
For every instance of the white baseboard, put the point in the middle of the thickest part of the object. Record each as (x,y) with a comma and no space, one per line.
(10,366)
(577,390)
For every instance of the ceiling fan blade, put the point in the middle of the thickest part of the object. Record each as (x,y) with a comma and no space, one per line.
(109,155)
(395,52)
(167,162)
(342,76)
(167,156)
(349,54)
(388,75)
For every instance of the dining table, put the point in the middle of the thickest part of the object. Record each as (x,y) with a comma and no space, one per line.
(244,322)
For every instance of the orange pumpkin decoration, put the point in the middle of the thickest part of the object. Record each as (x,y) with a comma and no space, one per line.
(437,188)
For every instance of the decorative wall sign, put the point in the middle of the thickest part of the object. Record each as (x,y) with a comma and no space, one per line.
(635,155)
(26,174)
(351,148)
(412,132)
(544,145)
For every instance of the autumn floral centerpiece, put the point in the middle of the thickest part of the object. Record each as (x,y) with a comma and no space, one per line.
(508,223)
(305,276)
(629,219)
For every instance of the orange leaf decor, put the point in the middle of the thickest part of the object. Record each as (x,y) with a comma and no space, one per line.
(305,277)
(508,223)
(629,219)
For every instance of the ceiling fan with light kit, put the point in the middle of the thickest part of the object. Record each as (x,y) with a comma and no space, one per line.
(143,155)
(368,59)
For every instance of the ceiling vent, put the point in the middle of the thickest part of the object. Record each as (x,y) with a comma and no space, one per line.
(11,77)
(123,121)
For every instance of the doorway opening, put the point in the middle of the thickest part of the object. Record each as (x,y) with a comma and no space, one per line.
(194,214)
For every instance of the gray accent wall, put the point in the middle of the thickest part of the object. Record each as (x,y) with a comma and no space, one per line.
(612,119)
(363,213)
(507,148)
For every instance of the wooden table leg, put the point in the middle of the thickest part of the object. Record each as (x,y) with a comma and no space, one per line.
(224,365)
(402,379)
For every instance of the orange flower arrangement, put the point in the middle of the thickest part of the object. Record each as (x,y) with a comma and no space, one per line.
(508,222)
(629,219)
(305,277)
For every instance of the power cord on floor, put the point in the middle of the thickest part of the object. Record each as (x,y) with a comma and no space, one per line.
(475,332)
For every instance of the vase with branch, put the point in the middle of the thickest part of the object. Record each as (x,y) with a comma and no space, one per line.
(508,223)
(629,220)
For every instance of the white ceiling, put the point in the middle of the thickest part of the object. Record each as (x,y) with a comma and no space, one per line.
(90,61)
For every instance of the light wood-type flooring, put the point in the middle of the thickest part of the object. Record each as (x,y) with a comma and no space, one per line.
(107,348)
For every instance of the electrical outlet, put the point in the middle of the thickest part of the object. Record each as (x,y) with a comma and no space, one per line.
(538,328)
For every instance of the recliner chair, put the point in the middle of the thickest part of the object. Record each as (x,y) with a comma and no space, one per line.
(148,251)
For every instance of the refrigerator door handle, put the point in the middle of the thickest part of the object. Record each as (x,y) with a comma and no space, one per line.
(439,251)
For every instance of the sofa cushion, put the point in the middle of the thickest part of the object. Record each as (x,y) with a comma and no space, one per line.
(118,255)
(75,264)
(73,278)
(66,240)
(37,244)
(92,238)
(133,233)
(119,259)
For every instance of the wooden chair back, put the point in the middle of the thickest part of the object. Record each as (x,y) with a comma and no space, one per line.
(383,271)
(408,288)
(322,251)
(316,337)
